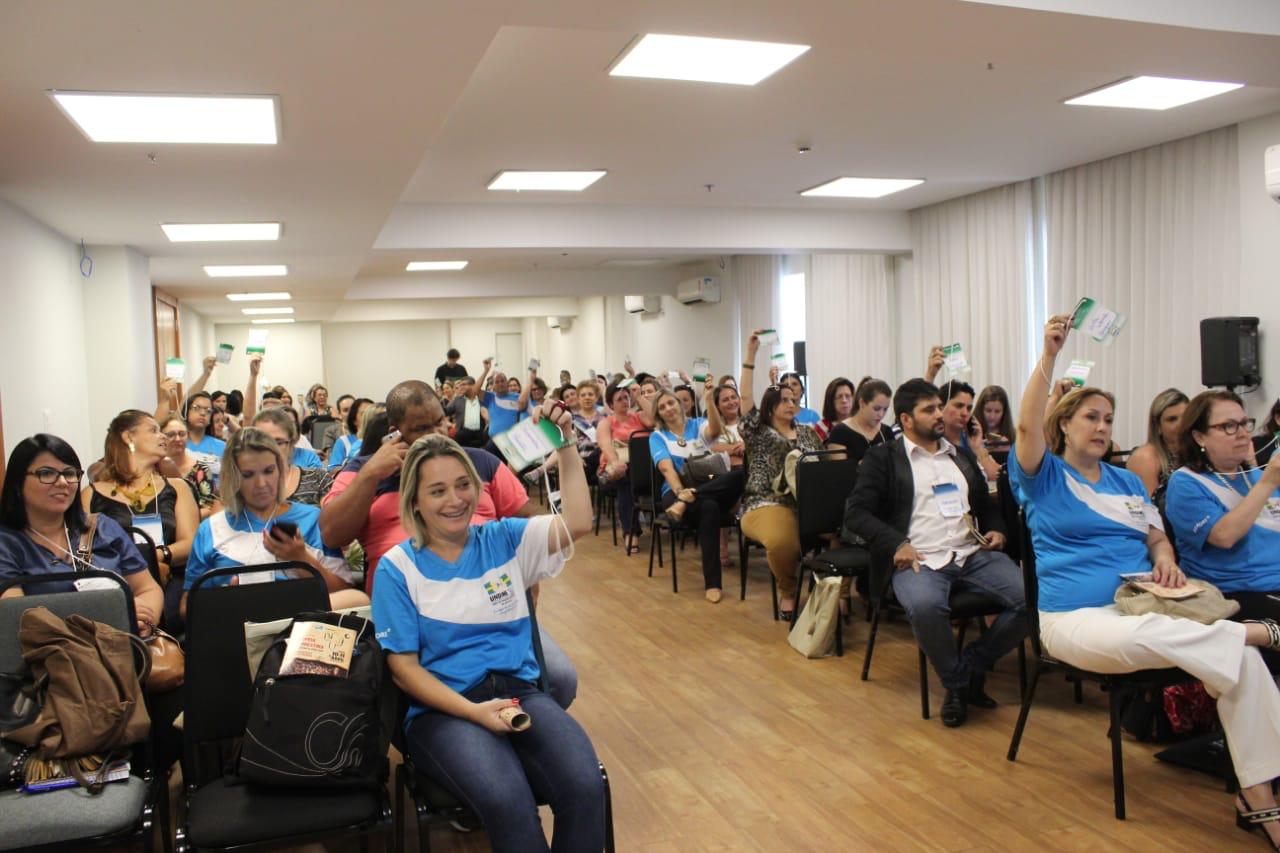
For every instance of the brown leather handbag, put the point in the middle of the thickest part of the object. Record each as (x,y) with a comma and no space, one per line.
(168,663)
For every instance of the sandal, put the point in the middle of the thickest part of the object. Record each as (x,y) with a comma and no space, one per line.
(1273,632)
(632,546)
(1250,819)
(675,512)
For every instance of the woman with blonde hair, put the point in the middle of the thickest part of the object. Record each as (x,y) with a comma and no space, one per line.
(1155,460)
(453,617)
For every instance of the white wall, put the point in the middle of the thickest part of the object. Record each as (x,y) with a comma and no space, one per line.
(475,340)
(42,374)
(294,357)
(118,308)
(1260,254)
(367,359)
(198,339)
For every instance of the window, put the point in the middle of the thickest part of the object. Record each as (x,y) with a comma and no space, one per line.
(791,315)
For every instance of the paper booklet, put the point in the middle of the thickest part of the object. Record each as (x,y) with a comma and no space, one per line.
(1143,581)
(317,648)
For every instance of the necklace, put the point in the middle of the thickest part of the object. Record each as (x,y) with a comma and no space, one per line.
(138,498)
(1224,481)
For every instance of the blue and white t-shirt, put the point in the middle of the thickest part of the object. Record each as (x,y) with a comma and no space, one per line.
(1085,534)
(470,617)
(209,451)
(664,444)
(304,457)
(504,411)
(1195,503)
(344,450)
(808,417)
(226,541)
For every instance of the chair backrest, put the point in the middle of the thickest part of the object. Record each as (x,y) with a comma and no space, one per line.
(822,486)
(147,548)
(1030,584)
(112,607)
(217,686)
(325,433)
(639,467)
(1011,514)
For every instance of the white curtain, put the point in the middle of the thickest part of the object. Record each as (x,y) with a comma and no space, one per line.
(849,323)
(756,279)
(970,284)
(1153,234)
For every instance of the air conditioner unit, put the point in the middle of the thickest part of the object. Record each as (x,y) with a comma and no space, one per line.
(704,289)
(1272,167)
(559,322)
(643,304)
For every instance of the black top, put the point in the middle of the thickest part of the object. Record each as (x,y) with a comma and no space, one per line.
(122,515)
(855,442)
(444,372)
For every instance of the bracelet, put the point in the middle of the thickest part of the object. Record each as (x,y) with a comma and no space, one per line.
(748,365)
(167,553)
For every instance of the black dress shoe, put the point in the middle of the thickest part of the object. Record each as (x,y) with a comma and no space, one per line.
(955,710)
(977,693)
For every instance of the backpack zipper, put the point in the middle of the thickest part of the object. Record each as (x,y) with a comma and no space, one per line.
(266,700)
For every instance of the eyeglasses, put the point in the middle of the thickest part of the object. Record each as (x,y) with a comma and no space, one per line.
(1232,427)
(174,436)
(49,476)
(202,410)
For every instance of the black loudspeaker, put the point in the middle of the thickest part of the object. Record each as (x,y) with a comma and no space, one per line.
(1229,351)
(799,359)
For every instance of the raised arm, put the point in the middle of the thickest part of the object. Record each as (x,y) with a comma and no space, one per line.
(205,372)
(1232,527)
(1030,445)
(937,358)
(251,390)
(747,378)
(575,494)
(488,365)
(166,400)
(523,400)
(715,426)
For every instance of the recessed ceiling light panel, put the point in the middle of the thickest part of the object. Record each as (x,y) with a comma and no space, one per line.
(271,322)
(428,266)
(266,311)
(862,187)
(245,270)
(555,181)
(1152,93)
(210,119)
(218,232)
(705,60)
(260,297)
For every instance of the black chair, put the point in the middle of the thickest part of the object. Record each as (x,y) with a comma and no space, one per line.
(218,812)
(68,820)
(434,803)
(965,605)
(606,501)
(822,486)
(1117,687)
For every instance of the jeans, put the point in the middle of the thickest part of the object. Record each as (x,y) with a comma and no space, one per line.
(925,596)
(562,676)
(710,511)
(501,777)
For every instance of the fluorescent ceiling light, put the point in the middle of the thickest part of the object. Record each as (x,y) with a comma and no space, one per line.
(270,322)
(563,181)
(123,117)
(264,311)
(427,266)
(1152,93)
(220,231)
(706,60)
(259,297)
(245,270)
(862,187)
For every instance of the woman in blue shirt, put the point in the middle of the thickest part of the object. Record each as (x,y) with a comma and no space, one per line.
(347,447)
(452,614)
(246,533)
(1091,522)
(1225,517)
(675,440)
(42,522)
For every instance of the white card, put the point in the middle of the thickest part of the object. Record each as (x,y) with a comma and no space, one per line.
(224,353)
(175,369)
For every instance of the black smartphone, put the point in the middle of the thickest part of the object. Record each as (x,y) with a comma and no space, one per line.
(288,528)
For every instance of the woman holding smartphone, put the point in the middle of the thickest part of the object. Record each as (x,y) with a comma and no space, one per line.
(259,526)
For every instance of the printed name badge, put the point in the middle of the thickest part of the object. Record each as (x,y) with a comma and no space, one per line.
(767,336)
(1078,372)
(948,497)
(701,369)
(1272,509)
(1097,321)
(779,360)
(1136,508)
(87,584)
(175,369)
(954,359)
(256,577)
(224,353)
(151,525)
(534,364)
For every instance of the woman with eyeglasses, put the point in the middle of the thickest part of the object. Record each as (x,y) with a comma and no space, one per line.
(132,491)
(1225,513)
(194,471)
(1091,522)
(306,480)
(260,525)
(42,524)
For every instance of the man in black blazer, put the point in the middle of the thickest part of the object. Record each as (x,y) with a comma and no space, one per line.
(919,502)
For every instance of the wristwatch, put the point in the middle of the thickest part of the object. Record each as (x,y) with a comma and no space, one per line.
(167,554)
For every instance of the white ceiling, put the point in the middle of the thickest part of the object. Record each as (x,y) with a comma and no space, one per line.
(397,114)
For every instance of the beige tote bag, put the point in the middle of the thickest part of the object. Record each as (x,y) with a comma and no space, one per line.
(814,634)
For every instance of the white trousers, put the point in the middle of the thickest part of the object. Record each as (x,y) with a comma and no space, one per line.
(1105,640)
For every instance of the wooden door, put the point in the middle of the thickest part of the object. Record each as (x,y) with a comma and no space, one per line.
(168,333)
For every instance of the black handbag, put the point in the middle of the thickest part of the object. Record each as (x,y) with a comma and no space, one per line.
(702,469)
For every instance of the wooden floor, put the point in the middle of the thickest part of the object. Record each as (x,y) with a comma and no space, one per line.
(718,736)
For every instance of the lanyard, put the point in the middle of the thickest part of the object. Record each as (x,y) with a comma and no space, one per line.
(77,564)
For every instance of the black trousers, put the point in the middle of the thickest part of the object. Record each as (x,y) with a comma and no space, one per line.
(1259,605)
(710,510)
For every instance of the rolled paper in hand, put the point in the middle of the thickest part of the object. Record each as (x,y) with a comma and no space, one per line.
(514,717)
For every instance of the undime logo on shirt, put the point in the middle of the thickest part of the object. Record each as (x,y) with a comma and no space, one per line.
(501,595)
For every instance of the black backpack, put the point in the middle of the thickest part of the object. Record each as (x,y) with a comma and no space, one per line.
(317,731)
